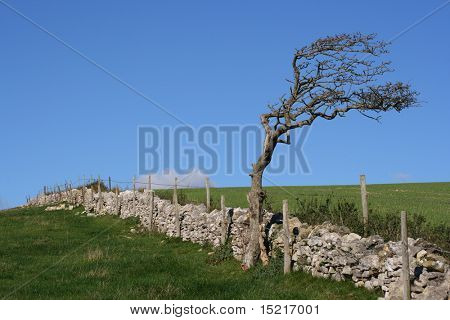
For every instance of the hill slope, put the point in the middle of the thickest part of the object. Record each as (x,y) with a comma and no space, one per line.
(64,255)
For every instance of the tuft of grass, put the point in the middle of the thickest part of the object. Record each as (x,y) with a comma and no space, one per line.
(76,257)
(222,253)
(97,273)
(94,254)
(273,269)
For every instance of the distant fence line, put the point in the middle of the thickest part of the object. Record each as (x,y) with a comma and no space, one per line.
(108,185)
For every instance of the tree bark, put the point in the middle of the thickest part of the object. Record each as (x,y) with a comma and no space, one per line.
(256,198)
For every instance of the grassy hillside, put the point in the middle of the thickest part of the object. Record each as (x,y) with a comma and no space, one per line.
(60,255)
(432,200)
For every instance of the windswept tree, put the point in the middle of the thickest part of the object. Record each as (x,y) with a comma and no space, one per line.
(331,76)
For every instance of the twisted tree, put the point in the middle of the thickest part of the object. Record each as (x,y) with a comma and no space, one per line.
(331,77)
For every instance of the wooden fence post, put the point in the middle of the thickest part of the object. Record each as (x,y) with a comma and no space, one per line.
(83,192)
(177,210)
(208,195)
(66,192)
(365,208)
(71,195)
(68,195)
(405,258)
(99,185)
(223,239)
(92,193)
(287,253)
(117,201)
(175,197)
(134,195)
(151,200)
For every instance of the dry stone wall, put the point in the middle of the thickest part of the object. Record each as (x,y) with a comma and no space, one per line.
(325,250)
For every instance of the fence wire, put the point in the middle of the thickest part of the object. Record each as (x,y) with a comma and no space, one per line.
(108,183)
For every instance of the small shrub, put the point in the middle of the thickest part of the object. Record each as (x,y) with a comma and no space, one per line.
(387,225)
(221,253)
(94,186)
(273,269)
(268,203)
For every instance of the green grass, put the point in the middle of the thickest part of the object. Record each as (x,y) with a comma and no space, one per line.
(60,255)
(432,200)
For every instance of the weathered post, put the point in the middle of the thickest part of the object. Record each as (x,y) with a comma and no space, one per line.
(70,193)
(151,200)
(175,197)
(208,195)
(66,191)
(68,199)
(286,235)
(91,197)
(365,208)
(405,258)
(100,200)
(83,192)
(117,201)
(134,195)
(177,210)
(223,239)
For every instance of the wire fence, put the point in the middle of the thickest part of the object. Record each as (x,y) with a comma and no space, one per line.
(112,185)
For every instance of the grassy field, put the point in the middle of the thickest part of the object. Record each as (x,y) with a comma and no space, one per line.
(60,255)
(432,200)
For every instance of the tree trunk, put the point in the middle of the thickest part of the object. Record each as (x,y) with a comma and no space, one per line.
(256,198)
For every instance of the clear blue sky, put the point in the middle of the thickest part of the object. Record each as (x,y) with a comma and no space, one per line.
(208,62)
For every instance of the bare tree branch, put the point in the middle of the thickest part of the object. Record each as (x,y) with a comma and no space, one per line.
(332,76)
